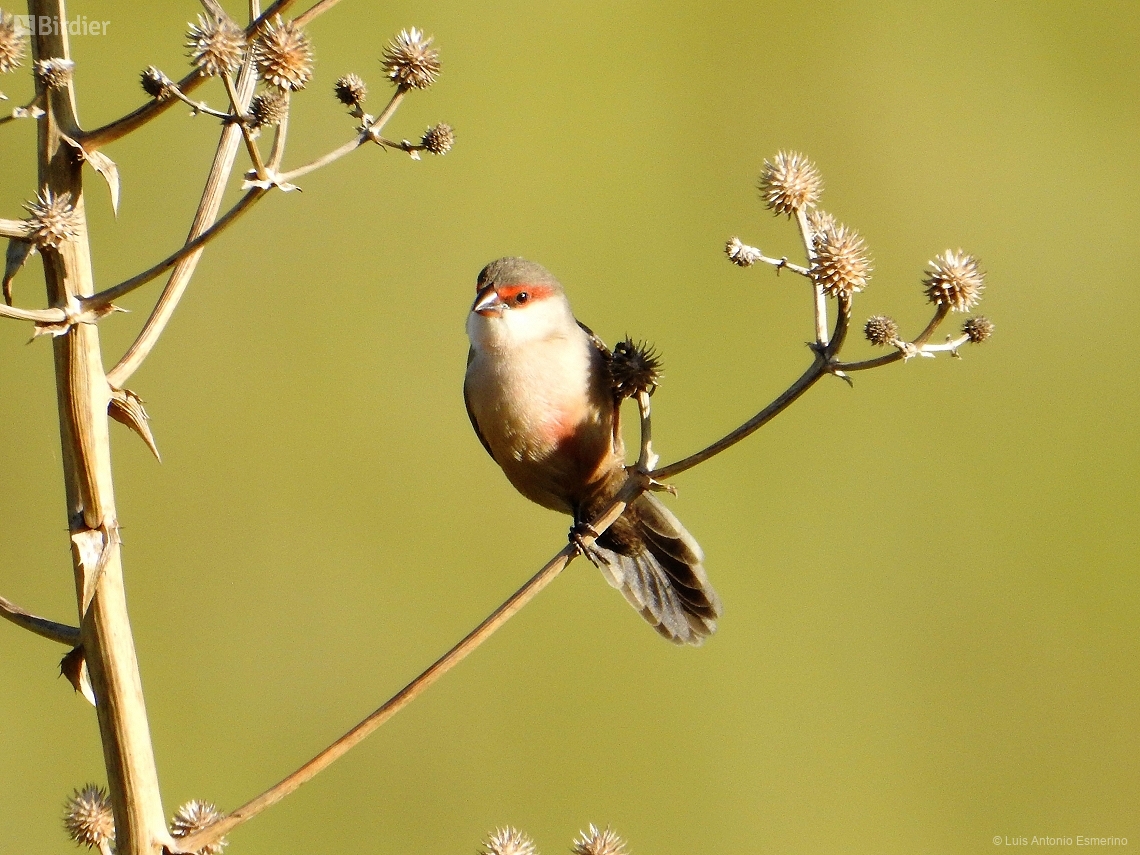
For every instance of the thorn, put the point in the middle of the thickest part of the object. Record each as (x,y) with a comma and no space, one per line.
(127,408)
(73,666)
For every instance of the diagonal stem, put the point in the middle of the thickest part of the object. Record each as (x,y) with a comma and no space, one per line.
(105,297)
(184,269)
(49,629)
(211,834)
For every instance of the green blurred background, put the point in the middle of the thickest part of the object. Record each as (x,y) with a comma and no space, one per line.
(930,581)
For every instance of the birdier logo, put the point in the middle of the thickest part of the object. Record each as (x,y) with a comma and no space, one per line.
(50,25)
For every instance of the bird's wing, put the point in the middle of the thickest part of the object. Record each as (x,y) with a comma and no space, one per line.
(471,412)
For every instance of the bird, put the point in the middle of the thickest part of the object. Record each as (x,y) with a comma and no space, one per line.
(539,394)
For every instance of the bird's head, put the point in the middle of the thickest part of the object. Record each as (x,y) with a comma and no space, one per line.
(517,302)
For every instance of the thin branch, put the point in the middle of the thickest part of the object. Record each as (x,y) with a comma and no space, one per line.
(806,381)
(319,9)
(820,299)
(280,134)
(910,349)
(15,229)
(195,842)
(250,143)
(185,267)
(39,316)
(49,629)
(369,133)
(637,482)
(105,297)
(196,106)
(95,139)
(28,111)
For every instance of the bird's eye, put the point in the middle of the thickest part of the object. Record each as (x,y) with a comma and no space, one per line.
(522,297)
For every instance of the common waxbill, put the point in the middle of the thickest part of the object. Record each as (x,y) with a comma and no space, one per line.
(540,397)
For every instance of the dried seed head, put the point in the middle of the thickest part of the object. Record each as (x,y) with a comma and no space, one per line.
(820,221)
(284,56)
(53,219)
(507,841)
(955,280)
(154,82)
(881,330)
(216,45)
(841,265)
(596,842)
(634,367)
(741,254)
(54,73)
(193,817)
(269,109)
(410,61)
(350,90)
(978,328)
(87,817)
(789,182)
(11,43)
(439,139)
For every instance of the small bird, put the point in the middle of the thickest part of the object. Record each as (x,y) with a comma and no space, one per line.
(540,398)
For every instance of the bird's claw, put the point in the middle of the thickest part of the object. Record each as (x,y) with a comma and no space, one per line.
(579,532)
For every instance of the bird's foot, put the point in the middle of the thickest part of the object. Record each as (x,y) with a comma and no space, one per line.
(579,532)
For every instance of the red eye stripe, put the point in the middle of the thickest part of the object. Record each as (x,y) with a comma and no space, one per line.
(510,293)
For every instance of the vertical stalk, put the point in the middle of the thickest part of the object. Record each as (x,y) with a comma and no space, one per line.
(83,395)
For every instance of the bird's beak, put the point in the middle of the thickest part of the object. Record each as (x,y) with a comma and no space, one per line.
(488,303)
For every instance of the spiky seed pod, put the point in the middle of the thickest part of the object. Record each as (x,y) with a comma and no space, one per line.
(269,109)
(284,56)
(507,841)
(53,219)
(881,330)
(594,842)
(789,182)
(439,139)
(193,817)
(841,265)
(820,221)
(217,45)
(634,367)
(87,817)
(11,43)
(54,73)
(350,90)
(154,82)
(410,61)
(741,254)
(955,280)
(978,328)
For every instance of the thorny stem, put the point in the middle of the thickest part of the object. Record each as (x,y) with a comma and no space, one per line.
(83,396)
(49,629)
(364,136)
